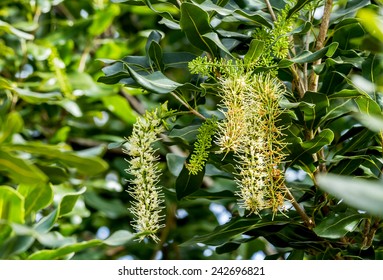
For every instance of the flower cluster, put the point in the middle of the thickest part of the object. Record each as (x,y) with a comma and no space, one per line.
(148,198)
(204,138)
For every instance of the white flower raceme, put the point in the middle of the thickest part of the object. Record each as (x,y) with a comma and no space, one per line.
(250,104)
(147,195)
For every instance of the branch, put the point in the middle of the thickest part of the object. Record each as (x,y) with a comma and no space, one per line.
(313,80)
(270,10)
(306,219)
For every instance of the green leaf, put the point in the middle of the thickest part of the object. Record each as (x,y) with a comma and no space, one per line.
(175,163)
(155,54)
(12,124)
(255,51)
(359,193)
(337,225)
(120,107)
(155,82)
(47,223)
(111,208)
(68,202)
(324,138)
(314,106)
(298,6)
(119,238)
(232,229)
(4,26)
(11,205)
(372,22)
(187,184)
(64,251)
(89,165)
(367,105)
(195,23)
(21,170)
(372,122)
(103,19)
(213,37)
(37,196)
(307,56)
(37,97)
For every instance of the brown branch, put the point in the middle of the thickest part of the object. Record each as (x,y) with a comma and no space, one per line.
(314,78)
(306,219)
(270,8)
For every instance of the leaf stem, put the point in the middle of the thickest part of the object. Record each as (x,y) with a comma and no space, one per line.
(192,110)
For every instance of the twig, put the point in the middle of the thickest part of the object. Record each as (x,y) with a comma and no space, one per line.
(306,219)
(314,78)
(270,10)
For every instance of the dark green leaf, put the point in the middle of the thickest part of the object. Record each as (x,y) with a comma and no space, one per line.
(307,56)
(338,225)
(175,163)
(195,23)
(155,82)
(187,184)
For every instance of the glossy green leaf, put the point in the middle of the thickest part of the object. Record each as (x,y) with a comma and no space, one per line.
(314,106)
(347,30)
(255,51)
(195,23)
(155,54)
(187,184)
(234,228)
(307,56)
(367,105)
(68,201)
(325,137)
(37,196)
(359,193)
(155,82)
(21,170)
(338,225)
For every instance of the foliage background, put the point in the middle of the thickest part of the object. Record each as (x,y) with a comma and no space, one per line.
(63,119)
